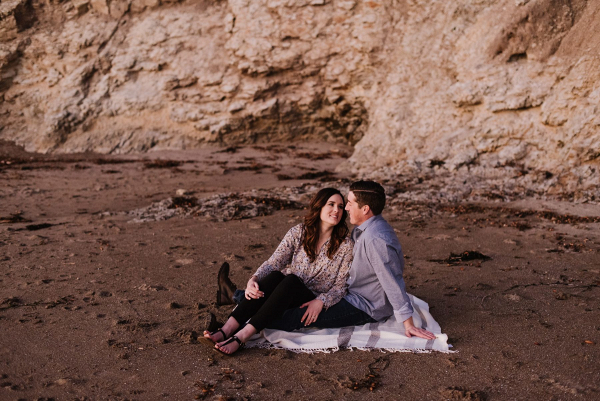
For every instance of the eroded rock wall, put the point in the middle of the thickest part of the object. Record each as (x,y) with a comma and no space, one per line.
(486,88)
(130,76)
(491,89)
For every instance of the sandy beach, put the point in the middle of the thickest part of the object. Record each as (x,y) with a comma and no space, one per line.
(103,295)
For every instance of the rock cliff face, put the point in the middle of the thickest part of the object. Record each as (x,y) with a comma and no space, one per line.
(486,88)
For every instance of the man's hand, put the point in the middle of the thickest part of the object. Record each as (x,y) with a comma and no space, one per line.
(412,330)
(312,313)
(252,290)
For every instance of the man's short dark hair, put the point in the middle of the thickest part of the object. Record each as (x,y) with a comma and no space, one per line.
(369,193)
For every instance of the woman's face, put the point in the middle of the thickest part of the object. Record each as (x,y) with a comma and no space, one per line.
(331,213)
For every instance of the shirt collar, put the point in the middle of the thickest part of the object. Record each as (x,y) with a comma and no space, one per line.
(360,229)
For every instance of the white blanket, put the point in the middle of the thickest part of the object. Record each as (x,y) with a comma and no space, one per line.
(388,336)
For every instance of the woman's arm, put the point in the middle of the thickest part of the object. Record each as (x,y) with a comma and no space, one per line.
(283,254)
(337,290)
(340,285)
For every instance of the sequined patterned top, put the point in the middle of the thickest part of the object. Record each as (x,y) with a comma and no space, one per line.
(325,277)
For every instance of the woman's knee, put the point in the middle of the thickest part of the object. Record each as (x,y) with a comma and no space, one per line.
(271,281)
(275,273)
(291,281)
(292,278)
(272,277)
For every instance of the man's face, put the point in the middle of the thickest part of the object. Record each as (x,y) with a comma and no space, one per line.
(354,211)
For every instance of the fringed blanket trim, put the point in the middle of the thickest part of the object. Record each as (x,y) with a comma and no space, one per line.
(268,345)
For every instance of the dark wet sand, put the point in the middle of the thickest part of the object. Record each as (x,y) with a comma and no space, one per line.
(95,307)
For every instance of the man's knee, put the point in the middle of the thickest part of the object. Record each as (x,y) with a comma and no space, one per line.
(289,321)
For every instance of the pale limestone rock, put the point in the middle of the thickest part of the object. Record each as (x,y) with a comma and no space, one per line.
(237,106)
(346,5)
(53,77)
(465,94)
(101,6)
(475,89)
(185,112)
(118,8)
(229,23)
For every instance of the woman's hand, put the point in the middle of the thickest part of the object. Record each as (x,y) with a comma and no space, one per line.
(312,312)
(252,290)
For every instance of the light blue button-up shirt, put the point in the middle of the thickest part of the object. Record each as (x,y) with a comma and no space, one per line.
(375,284)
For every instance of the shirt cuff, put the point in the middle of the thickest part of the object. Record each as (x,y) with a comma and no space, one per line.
(323,298)
(404,313)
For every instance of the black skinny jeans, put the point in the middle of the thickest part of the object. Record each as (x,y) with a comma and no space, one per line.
(281,293)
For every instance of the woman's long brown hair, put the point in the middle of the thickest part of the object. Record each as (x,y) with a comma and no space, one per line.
(312,220)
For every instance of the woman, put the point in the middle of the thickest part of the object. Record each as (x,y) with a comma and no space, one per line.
(318,253)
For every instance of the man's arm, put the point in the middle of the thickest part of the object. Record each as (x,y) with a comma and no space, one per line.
(411,330)
(388,267)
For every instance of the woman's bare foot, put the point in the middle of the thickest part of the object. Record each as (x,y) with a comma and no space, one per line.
(235,343)
(222,334)
(230,346)
(216,336)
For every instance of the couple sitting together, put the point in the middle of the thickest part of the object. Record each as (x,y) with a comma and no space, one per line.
(331,279)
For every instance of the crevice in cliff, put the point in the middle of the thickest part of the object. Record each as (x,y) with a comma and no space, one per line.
(119,23)
(517,57)
(25,15)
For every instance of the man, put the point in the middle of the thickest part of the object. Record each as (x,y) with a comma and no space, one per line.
(376,288)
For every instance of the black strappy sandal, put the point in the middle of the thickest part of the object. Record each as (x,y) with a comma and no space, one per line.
(212,333)
(231,339)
